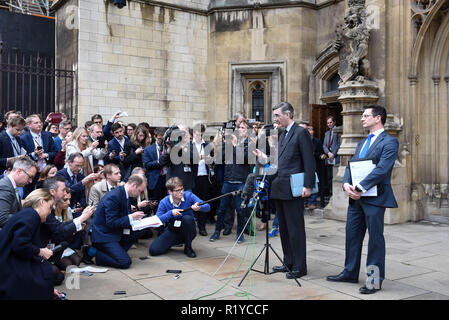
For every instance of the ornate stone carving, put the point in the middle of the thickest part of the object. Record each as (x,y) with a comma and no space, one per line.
(352,43)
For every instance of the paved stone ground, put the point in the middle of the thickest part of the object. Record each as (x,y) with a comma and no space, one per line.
(416,268)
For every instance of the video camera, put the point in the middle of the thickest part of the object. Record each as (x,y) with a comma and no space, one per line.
(229,125)
(173,132)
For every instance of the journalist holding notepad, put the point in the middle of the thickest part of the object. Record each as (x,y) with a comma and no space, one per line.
(295,155)
(367,212)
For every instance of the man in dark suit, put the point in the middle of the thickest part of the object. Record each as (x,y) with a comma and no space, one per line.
(39,145)
(112,234)
(10,144)
(295,155)
(76,181)
(155,172)
(367,212)
(116,148)
(331,144)
(22,174)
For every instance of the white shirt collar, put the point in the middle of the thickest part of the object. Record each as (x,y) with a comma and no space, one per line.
(173,203)
(378,132)
(290,126)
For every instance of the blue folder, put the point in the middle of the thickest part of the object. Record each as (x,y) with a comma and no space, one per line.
(297,184)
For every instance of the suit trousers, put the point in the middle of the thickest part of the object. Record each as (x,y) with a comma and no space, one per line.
(292,231)
(169,238)
(201,190)
(114,254)
(362,216)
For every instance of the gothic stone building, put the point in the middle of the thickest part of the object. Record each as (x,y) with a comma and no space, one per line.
(186,61)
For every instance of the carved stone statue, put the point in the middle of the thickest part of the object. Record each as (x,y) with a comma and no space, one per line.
(352,44)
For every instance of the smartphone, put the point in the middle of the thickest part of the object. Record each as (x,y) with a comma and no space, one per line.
(174,271)
(101,143)
(56,117)
(39,148)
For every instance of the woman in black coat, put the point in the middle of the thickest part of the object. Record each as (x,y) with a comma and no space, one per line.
(25,272)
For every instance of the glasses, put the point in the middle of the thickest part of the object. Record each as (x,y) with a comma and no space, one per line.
(364,116)
(29,177)
(178,191)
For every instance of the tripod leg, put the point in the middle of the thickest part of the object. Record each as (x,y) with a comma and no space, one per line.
(288,269)
(252,265)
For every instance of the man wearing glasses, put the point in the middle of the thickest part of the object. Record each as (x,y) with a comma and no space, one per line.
(367,212)
(22,174)
(176,211)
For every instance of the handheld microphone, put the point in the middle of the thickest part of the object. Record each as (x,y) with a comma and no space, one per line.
(60,247)
(248,189)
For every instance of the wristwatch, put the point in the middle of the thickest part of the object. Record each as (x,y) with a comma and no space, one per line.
(358,189)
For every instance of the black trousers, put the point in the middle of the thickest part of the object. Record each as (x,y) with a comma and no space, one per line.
(202,191)
(292,232)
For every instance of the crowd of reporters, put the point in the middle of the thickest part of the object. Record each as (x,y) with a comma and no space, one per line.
(54,177)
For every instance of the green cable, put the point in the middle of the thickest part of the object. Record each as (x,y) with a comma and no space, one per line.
(243,294)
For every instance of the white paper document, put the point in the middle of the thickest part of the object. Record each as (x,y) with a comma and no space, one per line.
(359,171)
(88,269)
(150,222)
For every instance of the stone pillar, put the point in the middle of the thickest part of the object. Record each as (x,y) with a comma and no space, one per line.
(354,95)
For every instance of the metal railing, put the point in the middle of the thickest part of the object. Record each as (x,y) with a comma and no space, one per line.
(32,84)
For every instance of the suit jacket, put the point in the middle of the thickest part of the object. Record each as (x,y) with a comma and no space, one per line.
(78,189)
(111,217)
(23,275)
(384,152)
(9,204)
(97,192)
(335,145)
(97,153)
(295,155)
(47,143)
(151,163)
(6,149)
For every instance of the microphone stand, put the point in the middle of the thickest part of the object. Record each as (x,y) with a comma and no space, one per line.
(266,246)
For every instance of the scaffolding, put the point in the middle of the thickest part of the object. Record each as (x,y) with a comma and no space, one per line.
(32,7)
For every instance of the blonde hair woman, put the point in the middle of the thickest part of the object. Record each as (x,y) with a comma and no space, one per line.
(24,272)
(81,143)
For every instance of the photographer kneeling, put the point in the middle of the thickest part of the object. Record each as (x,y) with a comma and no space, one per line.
(180,227)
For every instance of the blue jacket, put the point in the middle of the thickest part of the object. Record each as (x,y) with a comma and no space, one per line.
(164,211)
(151,163)
(23,274)
(47,143)
(383,152)
(6,149)
(78,189)
(111,217)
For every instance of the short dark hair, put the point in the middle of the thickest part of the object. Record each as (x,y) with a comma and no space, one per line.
(199,127)
(377,110)
(96,116)
(75,155)
(159,131)
(52,183)
(285,107)
(115,127)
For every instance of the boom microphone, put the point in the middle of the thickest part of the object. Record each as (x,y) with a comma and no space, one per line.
(248,189)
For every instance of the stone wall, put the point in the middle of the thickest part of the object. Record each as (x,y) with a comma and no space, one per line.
(146,59)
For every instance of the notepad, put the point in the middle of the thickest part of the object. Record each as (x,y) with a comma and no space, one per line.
(150,222)
(297,184)
(88,269)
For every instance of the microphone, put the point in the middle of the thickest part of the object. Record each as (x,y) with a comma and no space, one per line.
(248,189)
(60,247)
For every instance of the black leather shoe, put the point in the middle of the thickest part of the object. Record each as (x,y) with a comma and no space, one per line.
(365,290)
(86,259)
(280,269)
(203,232)
(341,278)
(227,232)
(189,252)
(295,274)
